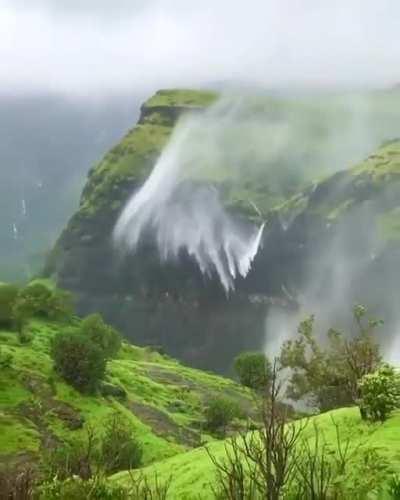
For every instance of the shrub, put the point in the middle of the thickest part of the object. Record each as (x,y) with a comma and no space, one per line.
(120,450)
(8,296)
(379,393)
(6,359)
(72,458)
(78,360)
(76,488)
(394,488)
(39,300)
(17,484)
(326,375)
(253,369)
(219,413)
(101,334)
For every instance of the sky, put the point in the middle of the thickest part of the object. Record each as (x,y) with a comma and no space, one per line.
(91,47)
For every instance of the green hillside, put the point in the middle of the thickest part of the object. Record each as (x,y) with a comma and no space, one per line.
(192,473)
(163,401)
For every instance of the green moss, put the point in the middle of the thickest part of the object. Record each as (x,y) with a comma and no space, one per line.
(181,97)
(383,165)
(128,162)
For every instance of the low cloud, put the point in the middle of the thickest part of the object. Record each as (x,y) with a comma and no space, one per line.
(99,46)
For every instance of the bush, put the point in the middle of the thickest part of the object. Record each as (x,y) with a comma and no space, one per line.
(78,360)
(76,488)
(39,300)
(17,484)
(326,375)
(119,448)
(8,296)
(394,488)
(253,370)
(101,334)
(219,413)
(6,359)
(72,458)
(379,393)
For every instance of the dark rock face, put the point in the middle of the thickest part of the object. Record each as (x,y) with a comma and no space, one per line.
(172,304)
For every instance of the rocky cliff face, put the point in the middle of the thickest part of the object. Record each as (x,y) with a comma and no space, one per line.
(173,304)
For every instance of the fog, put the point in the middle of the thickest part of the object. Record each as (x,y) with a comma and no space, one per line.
(97,47)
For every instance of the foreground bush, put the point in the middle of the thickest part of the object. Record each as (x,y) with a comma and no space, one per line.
(379,393)
(99,488)
(120,450)
(219,413)
(253,370)
(8,296)
(78,360)
(39,300)
(101,334)
(17,484)
(326,375)
(76,488)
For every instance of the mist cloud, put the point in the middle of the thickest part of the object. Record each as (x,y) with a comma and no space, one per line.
(99,46)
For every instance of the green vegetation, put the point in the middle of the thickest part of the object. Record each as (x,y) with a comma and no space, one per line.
(8,296)
(147,419)
(379,393)
(130,161)
(329,377)
(253,369)
(181,97)
(120,450)
(192,472)
(160,400)
(38,299)
(79,361)
(101,334)
(219,414)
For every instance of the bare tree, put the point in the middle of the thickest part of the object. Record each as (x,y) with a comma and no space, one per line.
(17,484)
(259,464)
(141,488)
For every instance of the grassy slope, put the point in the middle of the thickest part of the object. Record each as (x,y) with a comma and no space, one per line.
(376,175)
(130,161)
(164,402)
(192,472)
(181,97)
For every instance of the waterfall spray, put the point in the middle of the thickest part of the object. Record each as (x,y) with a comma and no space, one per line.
(180,206)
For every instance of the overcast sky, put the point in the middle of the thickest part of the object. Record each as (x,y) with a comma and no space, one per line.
(101,46)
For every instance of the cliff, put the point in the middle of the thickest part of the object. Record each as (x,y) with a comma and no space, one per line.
(172,303)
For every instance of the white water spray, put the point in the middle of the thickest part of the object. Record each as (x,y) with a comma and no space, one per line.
(180,206)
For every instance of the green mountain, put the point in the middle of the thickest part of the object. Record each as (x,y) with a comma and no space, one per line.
(293,176)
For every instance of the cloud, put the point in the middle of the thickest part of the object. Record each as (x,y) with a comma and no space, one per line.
(100,46)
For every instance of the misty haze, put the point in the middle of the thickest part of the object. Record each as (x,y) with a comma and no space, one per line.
(199,250)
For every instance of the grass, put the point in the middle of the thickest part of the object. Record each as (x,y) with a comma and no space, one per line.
(192,473)
(181,97)
(164,402)
(382,165)
(17,435)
